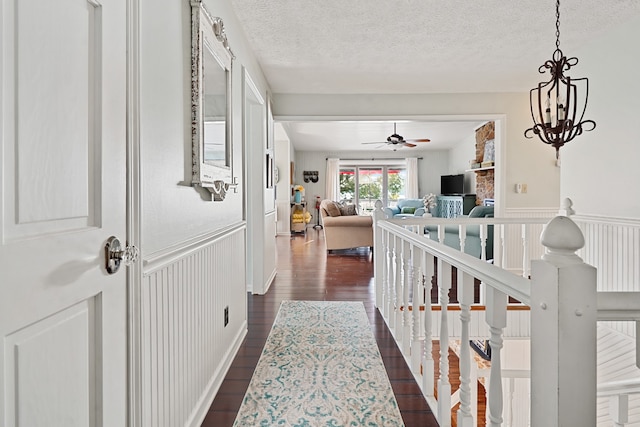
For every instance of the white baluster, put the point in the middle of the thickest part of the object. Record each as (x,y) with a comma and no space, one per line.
(408,283)
(378,254)
(393,274)
(399,294)
(483,256)
(427,356)
(483,242)
(385,273)
(619,409)
(526,261)
(496,316)
(462,235)
(511,384)
(563,303)
(465,298)
(637,345)
(503,246)
(444,386)
(417,301)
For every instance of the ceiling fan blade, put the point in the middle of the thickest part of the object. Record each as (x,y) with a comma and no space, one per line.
(419,140)
(406,144)
(376,142)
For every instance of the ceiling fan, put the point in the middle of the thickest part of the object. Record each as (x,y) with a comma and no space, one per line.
(396,140)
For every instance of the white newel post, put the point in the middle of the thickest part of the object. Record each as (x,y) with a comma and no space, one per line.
(563,331)
(378,252)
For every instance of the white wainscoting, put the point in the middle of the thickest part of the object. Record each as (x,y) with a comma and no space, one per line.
(269,249)
(186,349)
(514,239)
(284,217)
(612,245)
(518,324)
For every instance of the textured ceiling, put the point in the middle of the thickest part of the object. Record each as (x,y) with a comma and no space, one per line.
(350,135)
(416,46)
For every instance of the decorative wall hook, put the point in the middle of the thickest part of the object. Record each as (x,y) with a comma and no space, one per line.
(219,189)
(310,176)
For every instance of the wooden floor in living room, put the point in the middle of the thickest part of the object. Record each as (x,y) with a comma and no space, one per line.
(306,272)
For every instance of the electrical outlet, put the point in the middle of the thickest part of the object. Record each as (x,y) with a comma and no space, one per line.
(226,316)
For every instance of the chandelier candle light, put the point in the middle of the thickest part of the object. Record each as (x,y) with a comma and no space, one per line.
(555,104)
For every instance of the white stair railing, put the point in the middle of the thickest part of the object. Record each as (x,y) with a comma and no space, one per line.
(618,393)
(404,266)
(414,254)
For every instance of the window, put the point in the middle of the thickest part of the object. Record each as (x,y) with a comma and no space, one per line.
(363,185)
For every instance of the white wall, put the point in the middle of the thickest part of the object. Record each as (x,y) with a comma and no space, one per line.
(599,169)
(173,210)
(432,165)
(526,161)
(283,153)
(180,224)
(459,157)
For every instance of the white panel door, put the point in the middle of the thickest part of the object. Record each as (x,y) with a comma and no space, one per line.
(63,325)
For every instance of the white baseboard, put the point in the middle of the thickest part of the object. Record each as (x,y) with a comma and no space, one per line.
(201,409)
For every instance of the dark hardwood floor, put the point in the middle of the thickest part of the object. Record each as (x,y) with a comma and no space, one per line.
(306,272)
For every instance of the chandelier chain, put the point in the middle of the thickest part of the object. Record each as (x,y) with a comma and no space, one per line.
(558,24)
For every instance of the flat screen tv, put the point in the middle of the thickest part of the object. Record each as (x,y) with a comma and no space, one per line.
(452,184)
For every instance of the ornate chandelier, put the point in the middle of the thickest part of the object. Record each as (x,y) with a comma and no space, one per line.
(555,104)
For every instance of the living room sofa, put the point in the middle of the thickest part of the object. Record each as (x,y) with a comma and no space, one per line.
(345,231)
(472,242)
(405,208)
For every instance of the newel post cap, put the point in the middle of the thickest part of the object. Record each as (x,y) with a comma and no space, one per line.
(378,213)
(566,207)
(562,238)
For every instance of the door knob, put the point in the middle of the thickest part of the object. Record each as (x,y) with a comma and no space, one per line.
(115,254)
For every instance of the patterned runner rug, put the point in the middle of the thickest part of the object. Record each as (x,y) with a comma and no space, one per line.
(320,367)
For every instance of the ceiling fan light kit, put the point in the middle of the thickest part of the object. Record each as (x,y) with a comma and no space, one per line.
(395,140)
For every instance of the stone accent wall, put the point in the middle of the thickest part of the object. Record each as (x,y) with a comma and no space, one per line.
(484,179)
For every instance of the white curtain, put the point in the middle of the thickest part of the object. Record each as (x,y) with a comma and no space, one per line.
(412,178)
(332,190)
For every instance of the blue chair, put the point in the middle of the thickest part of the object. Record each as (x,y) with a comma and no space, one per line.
(472,243)
(406,208)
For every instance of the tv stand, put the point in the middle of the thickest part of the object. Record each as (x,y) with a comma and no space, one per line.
(452,206)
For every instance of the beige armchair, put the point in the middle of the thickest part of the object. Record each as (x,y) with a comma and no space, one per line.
(345,231)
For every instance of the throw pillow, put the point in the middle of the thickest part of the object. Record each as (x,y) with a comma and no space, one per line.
(332,209)
(408,210)
(348,210)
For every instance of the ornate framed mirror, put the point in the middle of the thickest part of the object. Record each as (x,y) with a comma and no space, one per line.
(211,64)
